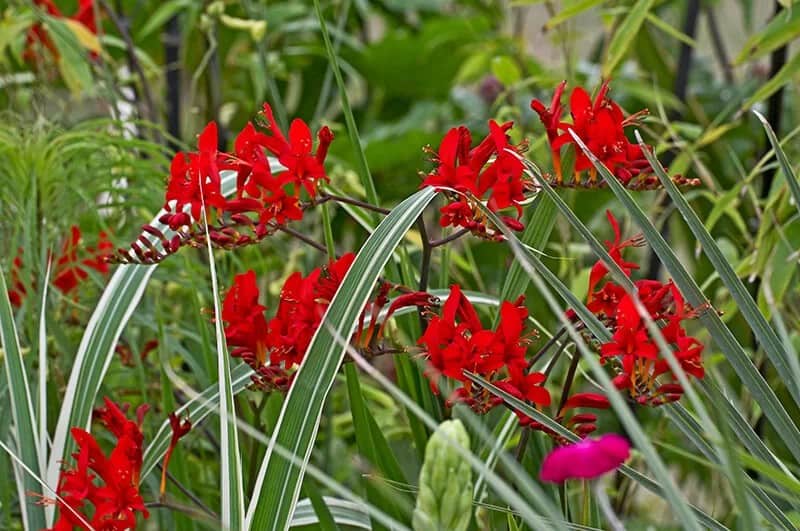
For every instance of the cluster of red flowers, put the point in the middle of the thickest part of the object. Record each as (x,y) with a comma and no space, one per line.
(38,34)
(491,171)
(600,124)
(116,498)
(264,200)
(456,341)
(273,348)
(69,269)
(641,370)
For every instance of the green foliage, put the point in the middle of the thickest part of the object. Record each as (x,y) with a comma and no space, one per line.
(86,137)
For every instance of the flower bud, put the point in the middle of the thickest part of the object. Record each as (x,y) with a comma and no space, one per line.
(444,500)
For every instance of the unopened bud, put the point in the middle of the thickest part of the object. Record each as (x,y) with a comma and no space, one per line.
(445,482)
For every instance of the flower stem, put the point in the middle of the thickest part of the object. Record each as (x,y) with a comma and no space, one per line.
(605,507)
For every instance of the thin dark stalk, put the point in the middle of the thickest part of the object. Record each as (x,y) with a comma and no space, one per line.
(546,347)
(447,239)
(214,84)
(777,61)
(718,45)
(355,202)
(174,506)
(551,365)
(274,93)
(302,237)
(424,268)
(189,494)
(148,108)
(327,82)
(172,74)
(774,111)
(573,367)
(680,90)
(519,453)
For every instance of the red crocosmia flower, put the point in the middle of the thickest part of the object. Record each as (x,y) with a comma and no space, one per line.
(599,270)
(303,302)
(37,34)
(303,167)
(194,177)
(632,351)
(600,124)
(586,459)
(245,324)
(70,270)
(109,482)
(17,291)
(179,429)
(471,170)
(455,341)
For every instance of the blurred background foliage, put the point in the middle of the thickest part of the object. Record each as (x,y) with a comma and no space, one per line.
(87,131)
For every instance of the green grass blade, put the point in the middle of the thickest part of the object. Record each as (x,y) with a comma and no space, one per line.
(352,129)
(196,409)
(540,274)
(96,350)
(538,416)
(373,446)
(42,387)
(783,160)
(538,227)
(232,484)
(765,335)
(344,513)
(278,484)
(527,488)
(722,336)
(27,441)
(625,35)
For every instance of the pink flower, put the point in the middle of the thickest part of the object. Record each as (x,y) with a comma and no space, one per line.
(587,459)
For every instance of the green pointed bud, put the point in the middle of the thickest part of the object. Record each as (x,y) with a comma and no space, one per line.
(444,500)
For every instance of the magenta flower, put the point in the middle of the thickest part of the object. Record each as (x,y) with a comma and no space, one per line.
(587,459)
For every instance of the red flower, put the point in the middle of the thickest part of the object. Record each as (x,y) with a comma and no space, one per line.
(303,167)
(195,178)
(38,34)
(69,270)
(116,499)
(179,429)
(456,341)
(465,170)
(600,124)
(246,326)
(303,302)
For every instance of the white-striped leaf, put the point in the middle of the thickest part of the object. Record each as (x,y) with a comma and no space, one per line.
(278,485)
(22,413)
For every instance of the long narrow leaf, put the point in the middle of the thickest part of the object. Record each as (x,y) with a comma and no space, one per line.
(22,412)
(766,336)
(762,393)
(278,483)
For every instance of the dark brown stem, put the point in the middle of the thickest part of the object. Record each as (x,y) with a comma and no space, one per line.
(554,360)
(302,237)
(424,269)
(189,494)
(148,111)
(573,367)
(355,202)
(546,347)
(174,506)
(519,453)
(719,45)
(447,239)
